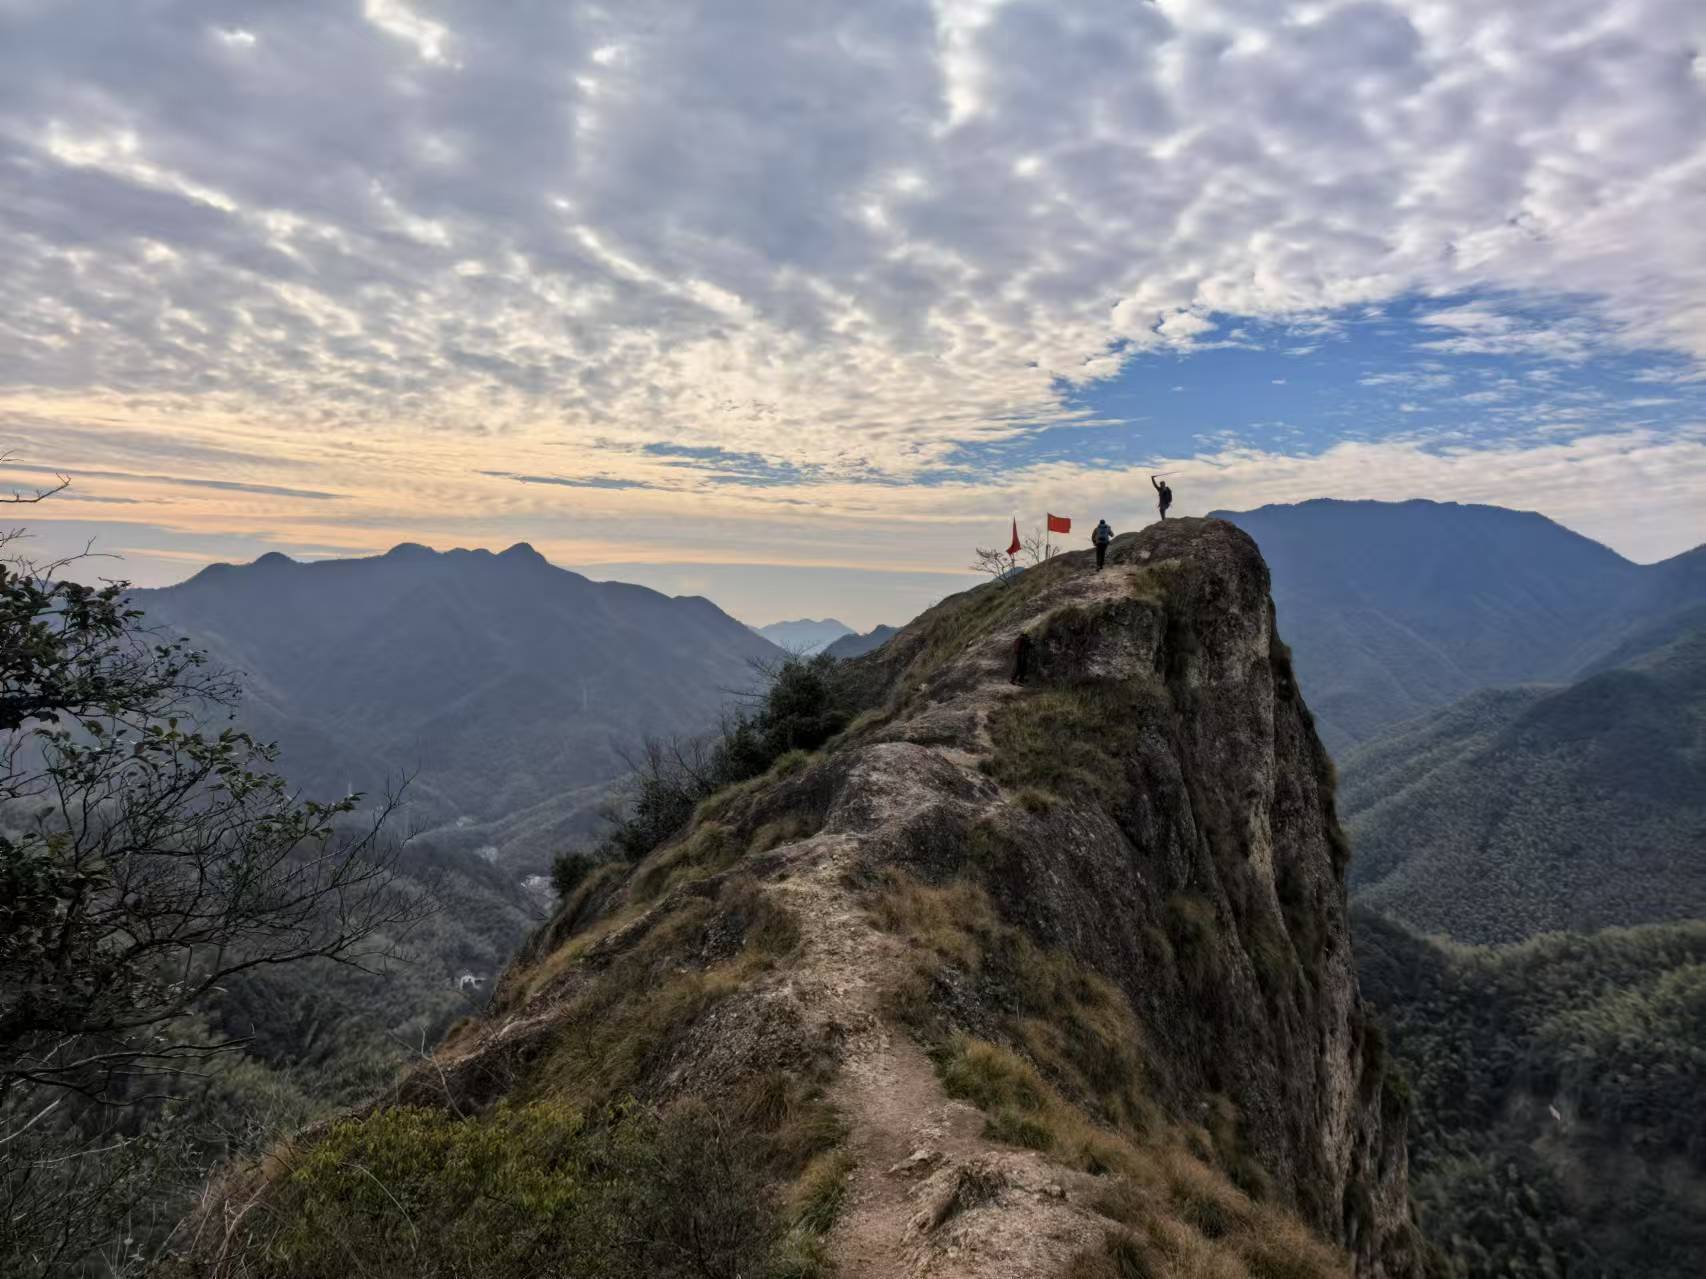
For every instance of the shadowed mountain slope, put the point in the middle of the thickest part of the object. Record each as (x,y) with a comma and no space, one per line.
(1395,609)
(859,645)
(505,686)
(1533,809)
(1006,980)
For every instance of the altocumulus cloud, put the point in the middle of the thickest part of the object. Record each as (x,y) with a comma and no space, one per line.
(839,237)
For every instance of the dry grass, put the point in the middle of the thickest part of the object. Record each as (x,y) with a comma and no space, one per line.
(1178,1218)
(1072,1023)
(548,969)
(1070,1082)
(813,1206)
(1024,1109)
(624,1024)
(707,849)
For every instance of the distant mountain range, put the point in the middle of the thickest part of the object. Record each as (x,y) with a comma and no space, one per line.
(857,645)
(508,688)
(805,636)
(1394,610)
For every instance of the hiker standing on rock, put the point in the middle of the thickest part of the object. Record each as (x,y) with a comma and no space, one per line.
(1100,539)
(1165,493)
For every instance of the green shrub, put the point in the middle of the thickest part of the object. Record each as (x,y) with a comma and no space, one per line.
(990,1077)
(807,701)
(569,871)
(536,1189)
(1129,1259)
(1071,741)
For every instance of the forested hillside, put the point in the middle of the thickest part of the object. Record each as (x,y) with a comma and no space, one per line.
(1395,609)
(1525,810)
(1557,1126)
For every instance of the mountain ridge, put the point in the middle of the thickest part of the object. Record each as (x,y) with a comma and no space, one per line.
(461,669)
(1011,979)
(1397,608)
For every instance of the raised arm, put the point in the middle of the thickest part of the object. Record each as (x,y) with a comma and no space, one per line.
(1156,483)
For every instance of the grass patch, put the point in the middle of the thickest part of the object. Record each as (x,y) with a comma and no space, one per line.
(822,1192)
(1023,1109)
(706,850)
(814,1203)
(1034,799)
(1179,1216)
(1121,1256)
(1073,1023)
(1193,936)
(1072,741)
(1016,1128)
(628,1020)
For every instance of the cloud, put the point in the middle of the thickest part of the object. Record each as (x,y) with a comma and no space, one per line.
(847,238)
(225,486)
(567,481)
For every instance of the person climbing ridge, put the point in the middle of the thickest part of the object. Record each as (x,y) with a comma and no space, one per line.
(1165,493)
(1021,658)
(1100,539)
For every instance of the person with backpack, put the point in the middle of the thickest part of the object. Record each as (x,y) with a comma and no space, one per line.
(1100,539)
(1164,492)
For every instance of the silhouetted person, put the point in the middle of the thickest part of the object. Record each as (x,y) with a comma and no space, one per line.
(1165,493)
(1021,658)
(1100,538)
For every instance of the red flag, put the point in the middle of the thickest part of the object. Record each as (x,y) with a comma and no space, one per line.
(1016,547)
(1059,524)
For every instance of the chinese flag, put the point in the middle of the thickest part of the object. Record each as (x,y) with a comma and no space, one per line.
(1015,548)
(1059,524)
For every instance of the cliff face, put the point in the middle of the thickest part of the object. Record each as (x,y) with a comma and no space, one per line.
(1062,969)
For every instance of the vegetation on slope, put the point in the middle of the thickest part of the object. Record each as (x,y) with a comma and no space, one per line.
(1522,811)
(157,875)
(1557,1126)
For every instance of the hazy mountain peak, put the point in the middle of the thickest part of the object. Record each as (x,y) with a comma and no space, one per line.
(500,684)
(805,635)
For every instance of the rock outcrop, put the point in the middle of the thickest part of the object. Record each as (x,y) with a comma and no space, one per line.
(1063,966)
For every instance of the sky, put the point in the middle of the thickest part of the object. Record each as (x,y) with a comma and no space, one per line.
(795,304)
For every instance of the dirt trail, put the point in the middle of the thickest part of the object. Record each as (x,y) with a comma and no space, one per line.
(910,1142)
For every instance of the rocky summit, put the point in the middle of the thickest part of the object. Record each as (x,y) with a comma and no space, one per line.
(1049,977)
